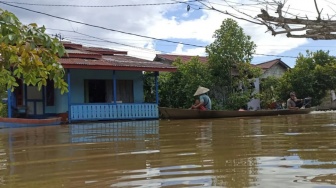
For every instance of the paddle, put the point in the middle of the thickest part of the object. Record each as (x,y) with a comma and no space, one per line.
(304,105)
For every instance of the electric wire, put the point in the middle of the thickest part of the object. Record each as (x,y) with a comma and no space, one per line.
(101,27)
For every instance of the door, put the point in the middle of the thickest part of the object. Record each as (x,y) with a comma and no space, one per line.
(35,102)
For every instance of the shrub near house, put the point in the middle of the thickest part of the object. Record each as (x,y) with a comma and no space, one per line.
(3,110)
(3,107)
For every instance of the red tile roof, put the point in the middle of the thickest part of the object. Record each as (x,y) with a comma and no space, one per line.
(68,45)
(115,63)
(271,63)
(104,51)
(184,58)
(77,53)
(79,57)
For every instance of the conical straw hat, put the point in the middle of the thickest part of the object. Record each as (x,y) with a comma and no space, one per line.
(201,90)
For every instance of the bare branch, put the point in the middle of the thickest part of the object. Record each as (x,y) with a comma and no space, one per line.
(227,13)
(316,29)
(266,17)
(314,37)
(318,12)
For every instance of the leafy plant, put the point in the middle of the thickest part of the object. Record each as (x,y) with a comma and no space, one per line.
(312,76)
(3,110)
(268,91)
(177,88)
(28,53)
(3,107)
(149,87)
(229,63)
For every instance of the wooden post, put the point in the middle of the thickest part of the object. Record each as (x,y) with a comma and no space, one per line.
(114,87)
(69,96)
(157,87)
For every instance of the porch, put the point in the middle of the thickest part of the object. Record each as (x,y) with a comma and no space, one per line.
(103,84)
(113,111)
(93,96)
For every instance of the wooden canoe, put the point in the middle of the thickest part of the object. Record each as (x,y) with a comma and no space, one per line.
(177,113)
(25,122)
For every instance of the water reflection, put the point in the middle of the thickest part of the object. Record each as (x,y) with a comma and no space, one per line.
(114,132)
(286,151)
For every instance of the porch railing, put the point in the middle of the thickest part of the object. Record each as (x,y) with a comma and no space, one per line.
(113,111)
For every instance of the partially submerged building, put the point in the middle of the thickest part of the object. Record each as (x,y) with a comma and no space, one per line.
(103,84)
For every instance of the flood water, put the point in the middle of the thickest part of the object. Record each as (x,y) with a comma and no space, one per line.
(280,151)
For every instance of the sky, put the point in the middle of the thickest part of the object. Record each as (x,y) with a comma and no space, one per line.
(135,25)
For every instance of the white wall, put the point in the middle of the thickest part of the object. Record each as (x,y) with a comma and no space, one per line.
(254,104)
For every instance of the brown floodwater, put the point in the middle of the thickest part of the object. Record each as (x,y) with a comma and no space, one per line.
(280,151)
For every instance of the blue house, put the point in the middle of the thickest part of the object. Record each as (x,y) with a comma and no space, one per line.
(104,84)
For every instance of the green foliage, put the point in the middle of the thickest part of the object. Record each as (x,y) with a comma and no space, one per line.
(176,89)
(313,75)
(238,100)
(149,87)
(268,91)
(3,94)
(3,110)
(229,62)
(28,53)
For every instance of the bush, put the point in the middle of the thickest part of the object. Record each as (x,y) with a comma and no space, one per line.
(3,110)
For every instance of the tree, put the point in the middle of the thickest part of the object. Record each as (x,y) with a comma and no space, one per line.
(284,22)
(229,59)
(3,107)
(28,53)
(177,89)
(149,87)
(268,91)
(313,75)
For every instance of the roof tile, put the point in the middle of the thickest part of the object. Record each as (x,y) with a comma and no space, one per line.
(271,63)
(184,58)
(103,58)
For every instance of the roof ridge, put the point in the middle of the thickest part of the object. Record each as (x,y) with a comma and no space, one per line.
(268,61)
(181,55)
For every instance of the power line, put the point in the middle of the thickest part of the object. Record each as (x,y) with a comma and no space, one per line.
(101,27)
(94,6)
(138,56)
(123,32)
(123,44)
(102,40)
(276,55)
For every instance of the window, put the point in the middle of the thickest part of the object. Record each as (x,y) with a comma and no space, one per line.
(125,91)
(94,91)
(101,91)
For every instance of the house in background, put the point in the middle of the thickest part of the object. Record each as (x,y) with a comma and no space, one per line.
(103,84)
(274,68)
(169,58)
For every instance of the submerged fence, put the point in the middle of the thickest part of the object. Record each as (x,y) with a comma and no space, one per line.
(113,111)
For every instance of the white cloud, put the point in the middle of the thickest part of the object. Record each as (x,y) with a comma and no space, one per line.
(193,51)
(151,21)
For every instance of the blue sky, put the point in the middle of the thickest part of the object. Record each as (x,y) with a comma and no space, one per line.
(171,22)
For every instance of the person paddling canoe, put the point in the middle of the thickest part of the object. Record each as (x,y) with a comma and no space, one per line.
(204,100)
(293,102)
